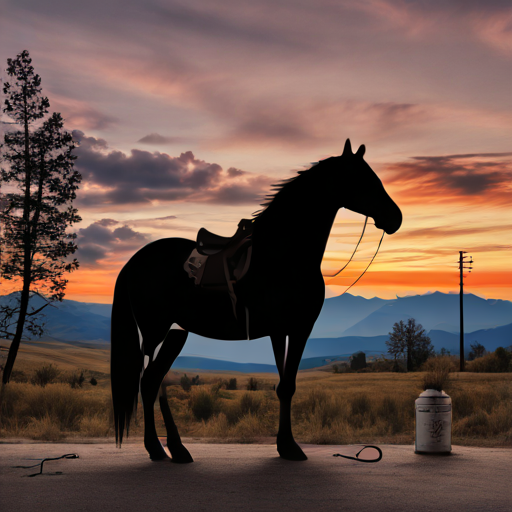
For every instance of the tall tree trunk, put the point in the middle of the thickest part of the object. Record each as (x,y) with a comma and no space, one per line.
(27,255)
(15,345)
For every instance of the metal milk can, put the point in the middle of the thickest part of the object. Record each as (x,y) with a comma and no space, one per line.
(433,422)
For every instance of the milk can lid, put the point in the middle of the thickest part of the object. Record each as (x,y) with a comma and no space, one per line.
(434,394)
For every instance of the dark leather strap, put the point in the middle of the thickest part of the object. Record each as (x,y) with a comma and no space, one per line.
(357,454)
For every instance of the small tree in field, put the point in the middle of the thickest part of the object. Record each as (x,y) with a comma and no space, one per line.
(39,185)
(358,361)
(409,340)
(477,350)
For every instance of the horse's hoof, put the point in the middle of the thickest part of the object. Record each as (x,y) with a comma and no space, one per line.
(291,451)
(156,452)
(180,455)
(159,457)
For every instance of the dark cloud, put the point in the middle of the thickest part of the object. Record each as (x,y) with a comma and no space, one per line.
(234,173)
(114,178)
(97,242)
(89,142)
(479,176)
(107,222)
(157,139)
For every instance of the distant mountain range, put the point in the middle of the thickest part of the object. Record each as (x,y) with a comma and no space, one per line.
(355,316)
(346,324)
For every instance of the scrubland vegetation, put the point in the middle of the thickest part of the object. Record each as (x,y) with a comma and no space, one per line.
(49,404)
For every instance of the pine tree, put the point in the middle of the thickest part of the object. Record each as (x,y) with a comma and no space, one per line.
(40,185)
(409,340)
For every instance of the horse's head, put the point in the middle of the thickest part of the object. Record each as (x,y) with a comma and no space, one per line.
(362,190)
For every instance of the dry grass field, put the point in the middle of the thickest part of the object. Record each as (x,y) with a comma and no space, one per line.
(328,408)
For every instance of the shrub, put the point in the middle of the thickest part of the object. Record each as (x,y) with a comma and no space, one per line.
(76,379)
(249,403)
(93,381)
(231,384)
(44,375)
(495,362)
(504,358)
(185,382)
(437,372)
(203,403)
(335,368)
(252,385)
(19,376)
(95,426)
(44,429)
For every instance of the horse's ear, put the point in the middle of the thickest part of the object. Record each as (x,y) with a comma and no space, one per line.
(361,150)
(347,150)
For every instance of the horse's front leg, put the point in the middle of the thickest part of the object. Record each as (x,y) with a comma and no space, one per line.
(288,353)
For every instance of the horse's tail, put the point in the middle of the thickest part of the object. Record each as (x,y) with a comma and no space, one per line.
(126,360)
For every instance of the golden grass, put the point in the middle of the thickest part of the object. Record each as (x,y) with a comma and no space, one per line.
(327,408)
(51,412)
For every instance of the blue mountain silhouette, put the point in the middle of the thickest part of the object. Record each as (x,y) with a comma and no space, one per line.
(347,324)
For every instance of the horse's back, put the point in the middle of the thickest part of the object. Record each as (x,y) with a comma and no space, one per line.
(161,259)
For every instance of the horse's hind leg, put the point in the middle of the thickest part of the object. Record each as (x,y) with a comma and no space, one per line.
(178,452)
(153,375)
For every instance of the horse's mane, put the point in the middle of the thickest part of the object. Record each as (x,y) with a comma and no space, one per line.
(281,189)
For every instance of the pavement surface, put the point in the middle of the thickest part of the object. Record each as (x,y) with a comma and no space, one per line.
(227,477)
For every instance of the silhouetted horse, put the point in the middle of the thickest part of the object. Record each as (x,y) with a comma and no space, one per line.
(156,303)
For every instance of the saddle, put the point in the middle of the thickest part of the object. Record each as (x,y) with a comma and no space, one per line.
(219,262)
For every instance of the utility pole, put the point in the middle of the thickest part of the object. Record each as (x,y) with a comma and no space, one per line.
(462,268)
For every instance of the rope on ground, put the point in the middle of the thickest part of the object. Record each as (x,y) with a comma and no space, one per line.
(358,453)
(67,456)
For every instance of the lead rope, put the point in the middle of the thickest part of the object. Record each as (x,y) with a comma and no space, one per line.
(67,456)
(357,454)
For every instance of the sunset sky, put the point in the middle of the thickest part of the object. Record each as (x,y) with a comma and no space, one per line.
(187,112)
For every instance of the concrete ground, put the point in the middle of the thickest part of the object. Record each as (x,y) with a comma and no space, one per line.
(226,477)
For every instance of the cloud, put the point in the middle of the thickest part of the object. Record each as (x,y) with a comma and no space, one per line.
(310,122)
(157,139)
(111,177)
(480,177)
(437,232)
(78,114)
(99,241)
(220,24)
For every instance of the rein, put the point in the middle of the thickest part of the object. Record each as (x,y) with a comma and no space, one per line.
(357,455)
(352,256)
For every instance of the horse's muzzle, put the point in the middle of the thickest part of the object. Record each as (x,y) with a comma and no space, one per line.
(391,221)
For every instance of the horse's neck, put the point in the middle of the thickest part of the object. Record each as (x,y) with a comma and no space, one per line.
(298,233)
